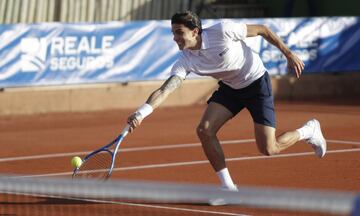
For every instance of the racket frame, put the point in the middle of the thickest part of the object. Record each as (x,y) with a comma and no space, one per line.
(105,148)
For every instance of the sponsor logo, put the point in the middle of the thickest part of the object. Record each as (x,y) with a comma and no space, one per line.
(33,54)
(224,52)
(66,53)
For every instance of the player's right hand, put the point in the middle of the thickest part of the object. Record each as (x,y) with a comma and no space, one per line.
(134,121)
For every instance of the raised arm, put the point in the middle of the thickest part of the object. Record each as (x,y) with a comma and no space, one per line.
(294,62)
(154,101)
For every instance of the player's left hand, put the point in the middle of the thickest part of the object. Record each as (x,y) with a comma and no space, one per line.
(295,63)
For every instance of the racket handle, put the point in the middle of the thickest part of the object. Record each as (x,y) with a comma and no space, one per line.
(125,131)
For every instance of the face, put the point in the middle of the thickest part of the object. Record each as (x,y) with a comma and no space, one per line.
(184,37)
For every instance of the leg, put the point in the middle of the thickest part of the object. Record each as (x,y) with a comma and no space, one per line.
(268,144)
(262,110)
(215,116)
(222,107)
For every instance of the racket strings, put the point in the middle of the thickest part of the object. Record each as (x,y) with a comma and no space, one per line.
(96,167)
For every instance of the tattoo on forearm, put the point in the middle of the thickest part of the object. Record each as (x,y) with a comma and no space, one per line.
(172,83)
(158,96)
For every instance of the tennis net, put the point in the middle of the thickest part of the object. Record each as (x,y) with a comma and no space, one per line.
(50,196)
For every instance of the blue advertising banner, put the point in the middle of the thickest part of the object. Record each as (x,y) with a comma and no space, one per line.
(60,53)
(325,44)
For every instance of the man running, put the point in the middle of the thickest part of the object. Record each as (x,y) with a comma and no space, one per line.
(220,52)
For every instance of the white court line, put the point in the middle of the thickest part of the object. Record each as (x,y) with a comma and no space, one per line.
(149,148)
(163,207)
(134,149)
(177,164)
(187,163)
(166,207)
(343,142)
(134,204)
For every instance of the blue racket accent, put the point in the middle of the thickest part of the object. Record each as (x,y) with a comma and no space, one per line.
(100,163)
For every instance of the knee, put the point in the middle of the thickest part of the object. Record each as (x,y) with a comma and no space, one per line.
(204,132)
(269,150)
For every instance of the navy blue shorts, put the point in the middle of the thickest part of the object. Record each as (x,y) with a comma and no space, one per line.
(257,98)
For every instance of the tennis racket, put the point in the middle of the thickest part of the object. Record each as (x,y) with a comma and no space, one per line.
(100,163)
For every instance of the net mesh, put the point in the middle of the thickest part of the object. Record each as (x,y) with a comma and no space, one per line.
(39,196)
(95,167)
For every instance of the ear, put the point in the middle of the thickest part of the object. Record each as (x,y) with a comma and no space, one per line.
(195,31)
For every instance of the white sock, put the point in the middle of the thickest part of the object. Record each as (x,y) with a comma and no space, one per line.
(225,179)
(305,132)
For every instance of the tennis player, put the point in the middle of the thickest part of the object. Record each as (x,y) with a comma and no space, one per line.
(220,52)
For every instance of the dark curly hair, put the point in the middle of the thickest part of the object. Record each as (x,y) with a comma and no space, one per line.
(188,19)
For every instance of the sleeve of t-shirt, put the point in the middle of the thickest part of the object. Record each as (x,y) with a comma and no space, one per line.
(237,31)
(179,69)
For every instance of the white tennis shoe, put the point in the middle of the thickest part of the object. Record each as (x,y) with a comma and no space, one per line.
(221,201)
(316,140)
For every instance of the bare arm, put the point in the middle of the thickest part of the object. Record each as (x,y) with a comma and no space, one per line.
(294,62)
(159,95)
(155,99)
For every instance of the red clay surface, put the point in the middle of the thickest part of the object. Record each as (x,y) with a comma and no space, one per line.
(78,132)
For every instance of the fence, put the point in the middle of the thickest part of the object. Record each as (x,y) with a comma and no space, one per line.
(30,11)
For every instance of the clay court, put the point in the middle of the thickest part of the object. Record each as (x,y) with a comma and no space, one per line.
(165,148)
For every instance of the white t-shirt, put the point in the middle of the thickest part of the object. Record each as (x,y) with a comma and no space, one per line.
(223,55)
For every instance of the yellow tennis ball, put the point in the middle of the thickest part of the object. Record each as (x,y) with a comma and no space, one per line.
(76,162)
